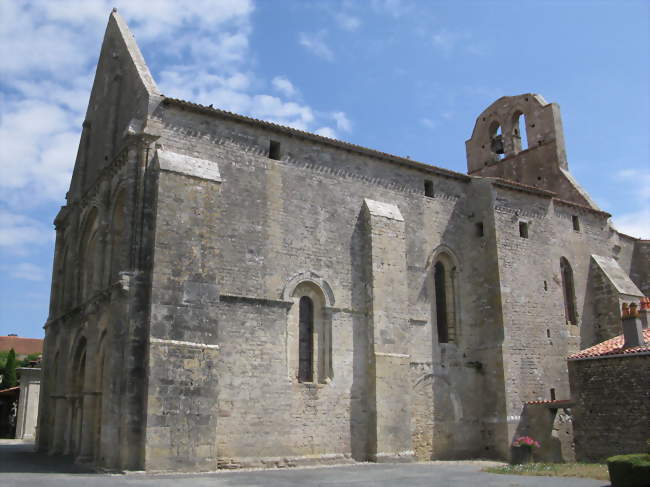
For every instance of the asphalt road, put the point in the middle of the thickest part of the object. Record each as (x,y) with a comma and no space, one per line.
(20,466)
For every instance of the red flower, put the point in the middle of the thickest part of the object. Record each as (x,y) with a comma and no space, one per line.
(526,441)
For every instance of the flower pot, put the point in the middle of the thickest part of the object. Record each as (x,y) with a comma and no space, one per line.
(522,454)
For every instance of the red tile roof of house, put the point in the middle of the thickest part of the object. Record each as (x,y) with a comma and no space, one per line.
(12,391)
(22,346)
(613,346)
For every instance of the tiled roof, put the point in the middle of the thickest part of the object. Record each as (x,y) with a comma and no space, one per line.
(22,346)
(308,135)
(559,402)
(587,208)
(613,346)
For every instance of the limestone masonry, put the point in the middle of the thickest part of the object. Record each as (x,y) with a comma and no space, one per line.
(230,292)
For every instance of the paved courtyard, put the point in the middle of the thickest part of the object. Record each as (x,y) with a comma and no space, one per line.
(20,466)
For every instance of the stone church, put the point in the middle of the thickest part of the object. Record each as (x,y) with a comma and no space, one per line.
(231,292)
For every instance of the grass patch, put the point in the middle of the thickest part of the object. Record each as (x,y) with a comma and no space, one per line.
(587,470)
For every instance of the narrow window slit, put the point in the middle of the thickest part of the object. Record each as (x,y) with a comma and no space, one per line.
(569,292)
(306,340)
(428,189)
(441,303)
(576,222)
(523,229)
(274,150)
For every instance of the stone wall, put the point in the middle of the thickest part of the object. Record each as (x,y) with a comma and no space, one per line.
(612,406)
(276,219)
(551,424)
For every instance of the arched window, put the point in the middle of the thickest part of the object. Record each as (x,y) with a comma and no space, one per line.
(519,135)
(99,380)
(444,305)
(441,303)
(77,379)
(496,140)
(306,340)
(569,292)
(63,286)
(119,243)
(88,257)
(309,332)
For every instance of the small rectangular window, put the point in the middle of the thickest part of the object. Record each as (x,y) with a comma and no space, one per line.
(428,189)
(523,229)
(576,223)
(479,229)
(552,394)
(274,150)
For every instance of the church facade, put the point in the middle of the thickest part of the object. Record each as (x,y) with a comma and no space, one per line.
(230,292)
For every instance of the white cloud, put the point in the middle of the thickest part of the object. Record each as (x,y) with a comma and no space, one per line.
(347,22)
(445,41)
(284,86)
(326,132)
(274,109)
(342,121)
(638,182)
(19,232)
(428,123)
(29,272)
(39,140)
(315,42)
(48,53)
(635,224)
(395,8)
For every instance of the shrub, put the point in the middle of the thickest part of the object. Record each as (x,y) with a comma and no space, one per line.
(9,373)
(629,470)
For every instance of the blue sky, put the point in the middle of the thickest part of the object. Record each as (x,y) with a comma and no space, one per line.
(403,76)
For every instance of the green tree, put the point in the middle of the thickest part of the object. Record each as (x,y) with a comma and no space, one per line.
(9,375)
(29,358)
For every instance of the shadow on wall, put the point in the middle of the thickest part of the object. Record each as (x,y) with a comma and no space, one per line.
(552,427)
(590,311)
(359,303)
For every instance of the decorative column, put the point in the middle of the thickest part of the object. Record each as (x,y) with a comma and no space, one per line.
(59,396)
(88,396)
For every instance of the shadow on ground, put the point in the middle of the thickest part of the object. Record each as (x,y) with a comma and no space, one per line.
(18,457)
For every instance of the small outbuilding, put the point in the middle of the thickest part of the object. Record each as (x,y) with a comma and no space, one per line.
(610,384)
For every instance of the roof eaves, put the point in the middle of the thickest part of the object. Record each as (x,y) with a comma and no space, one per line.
(505,183)
(632,353)
(318,138)
(583,207)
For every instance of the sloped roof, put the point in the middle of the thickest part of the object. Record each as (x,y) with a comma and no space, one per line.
(12,391)
(558,402)
(22,346)
(613,346)
(209,110)
(617,276)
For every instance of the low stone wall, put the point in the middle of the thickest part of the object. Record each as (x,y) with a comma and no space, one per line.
(552,426)
(612,406)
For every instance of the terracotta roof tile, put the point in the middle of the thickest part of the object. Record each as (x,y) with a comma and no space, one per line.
(22,346)
(613,346)
(551,401)
(10,392)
